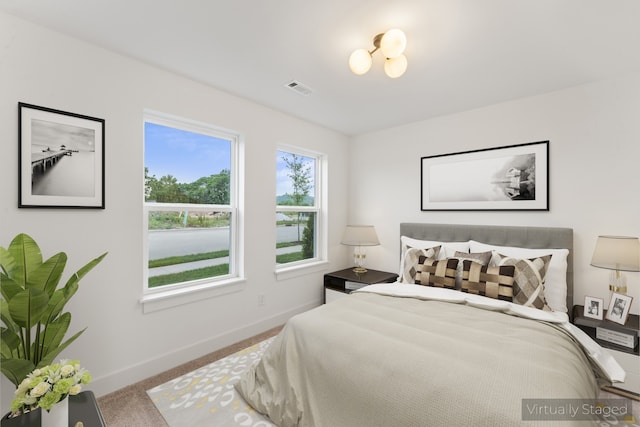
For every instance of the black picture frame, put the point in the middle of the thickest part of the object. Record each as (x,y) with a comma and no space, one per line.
(507,178)
(60,159)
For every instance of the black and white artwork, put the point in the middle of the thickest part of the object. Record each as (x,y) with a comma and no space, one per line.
(506,178)
(593,307)
(619,308)
(61,159)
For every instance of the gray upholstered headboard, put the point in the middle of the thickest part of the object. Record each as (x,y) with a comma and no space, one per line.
(525,237)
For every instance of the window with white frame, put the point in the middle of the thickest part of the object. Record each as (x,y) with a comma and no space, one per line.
(190,203)
(299,221)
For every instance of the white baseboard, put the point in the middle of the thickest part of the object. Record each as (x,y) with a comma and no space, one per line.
(124,377)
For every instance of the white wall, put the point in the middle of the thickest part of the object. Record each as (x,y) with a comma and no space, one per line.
(121,344)
(594,135)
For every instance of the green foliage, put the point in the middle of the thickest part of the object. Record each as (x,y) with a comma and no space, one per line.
(210,190)
(308,240)
(186,276)
(31,306)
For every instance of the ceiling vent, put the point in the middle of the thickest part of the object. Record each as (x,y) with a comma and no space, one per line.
(298,87)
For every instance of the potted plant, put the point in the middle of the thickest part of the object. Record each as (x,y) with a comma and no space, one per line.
(31,307)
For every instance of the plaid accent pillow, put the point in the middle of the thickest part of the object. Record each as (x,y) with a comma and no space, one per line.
(411,261)
(493,282)
(441,274)
(528,287)
(479,257)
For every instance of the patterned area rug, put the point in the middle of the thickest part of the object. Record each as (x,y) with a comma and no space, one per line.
(206,396)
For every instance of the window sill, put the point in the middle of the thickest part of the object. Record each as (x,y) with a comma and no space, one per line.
(161,300)
(300,270)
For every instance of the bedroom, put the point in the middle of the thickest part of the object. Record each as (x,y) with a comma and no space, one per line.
(592,129)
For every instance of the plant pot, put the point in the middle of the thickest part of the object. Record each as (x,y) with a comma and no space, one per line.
(29,419)
(57,416)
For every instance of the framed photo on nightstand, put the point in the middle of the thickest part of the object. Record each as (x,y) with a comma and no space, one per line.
(593,307)
(619,308)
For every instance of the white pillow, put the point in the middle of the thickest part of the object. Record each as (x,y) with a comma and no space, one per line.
(555,286)
(447,249)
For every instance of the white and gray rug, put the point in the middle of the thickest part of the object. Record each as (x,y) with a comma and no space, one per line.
(206,396)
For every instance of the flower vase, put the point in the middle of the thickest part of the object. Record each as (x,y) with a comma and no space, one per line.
(58,416)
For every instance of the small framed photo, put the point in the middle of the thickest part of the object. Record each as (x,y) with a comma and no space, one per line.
(619,308)
(593,307)
(60,159)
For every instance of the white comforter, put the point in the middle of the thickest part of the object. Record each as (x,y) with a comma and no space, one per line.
(425,356)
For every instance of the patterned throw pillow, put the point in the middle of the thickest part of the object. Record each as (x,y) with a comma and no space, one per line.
(493,282)
(479,257)
(438,273)
(528,287)
(411,260)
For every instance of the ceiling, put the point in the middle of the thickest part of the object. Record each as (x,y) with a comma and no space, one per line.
(462,54)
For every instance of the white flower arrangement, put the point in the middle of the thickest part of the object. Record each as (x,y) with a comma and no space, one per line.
(46,386)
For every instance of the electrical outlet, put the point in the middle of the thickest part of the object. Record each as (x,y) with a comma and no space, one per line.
(261,299)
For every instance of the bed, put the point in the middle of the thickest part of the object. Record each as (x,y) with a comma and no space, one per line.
(441,352)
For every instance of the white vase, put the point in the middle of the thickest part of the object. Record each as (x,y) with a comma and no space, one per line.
(58,416)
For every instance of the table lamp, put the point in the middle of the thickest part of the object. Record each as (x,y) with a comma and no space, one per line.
(359,236)
(618,253)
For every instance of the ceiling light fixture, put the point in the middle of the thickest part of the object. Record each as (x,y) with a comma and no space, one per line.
(392,45)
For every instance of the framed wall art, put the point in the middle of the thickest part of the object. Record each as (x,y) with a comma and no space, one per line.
(60,159)
(514,177)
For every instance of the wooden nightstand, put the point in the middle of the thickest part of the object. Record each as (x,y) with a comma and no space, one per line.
(628,357)
(341,283)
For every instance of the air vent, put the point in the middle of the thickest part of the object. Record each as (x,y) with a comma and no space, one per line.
(298,87)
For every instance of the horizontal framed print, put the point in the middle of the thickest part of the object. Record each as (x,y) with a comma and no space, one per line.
(619,308)
(593,307)
(60,159)
(514,177)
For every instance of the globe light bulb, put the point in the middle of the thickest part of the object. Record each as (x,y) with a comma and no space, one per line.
(360,61)
(393,43)
(395,67)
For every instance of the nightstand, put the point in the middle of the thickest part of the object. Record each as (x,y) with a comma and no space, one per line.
(341,283)
(620,340)
(82,407)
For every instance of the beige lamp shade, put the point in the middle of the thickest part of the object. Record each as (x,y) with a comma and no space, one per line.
(617,253)
(360,235)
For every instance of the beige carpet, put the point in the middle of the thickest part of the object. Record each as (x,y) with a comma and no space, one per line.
(131,407)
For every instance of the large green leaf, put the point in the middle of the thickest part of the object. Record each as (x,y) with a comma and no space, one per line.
(57,301)
(26,253)
(75,278)
(55,332)
(48,358)
(16,369)
(7,263)
(47,275)
(27,307)
(6,317)
(10,344)
(8,287)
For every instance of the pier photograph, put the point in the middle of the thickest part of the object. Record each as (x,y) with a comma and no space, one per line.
(62,159)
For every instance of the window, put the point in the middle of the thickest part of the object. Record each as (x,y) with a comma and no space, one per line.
(190,204)
(299,222)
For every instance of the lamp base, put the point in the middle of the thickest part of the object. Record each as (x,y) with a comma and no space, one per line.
(359,270)
(618,289)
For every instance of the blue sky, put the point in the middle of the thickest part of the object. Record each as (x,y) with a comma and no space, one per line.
(283,182)
(182,154)
(189,156)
